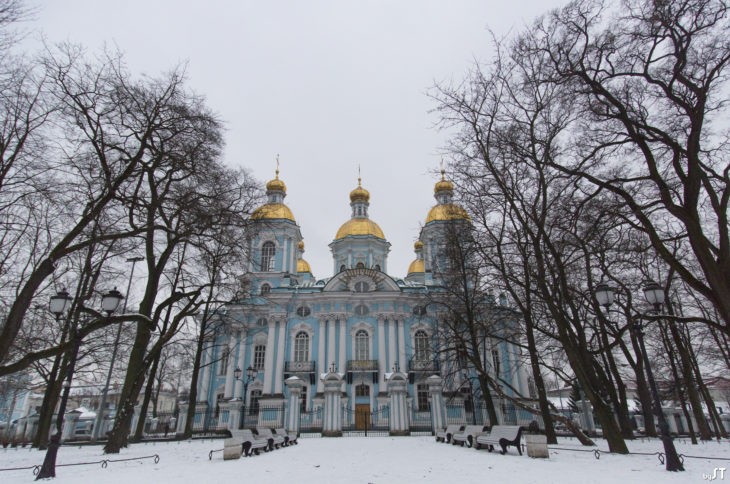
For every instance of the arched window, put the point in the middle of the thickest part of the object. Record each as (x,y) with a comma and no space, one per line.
(268,250)
(301,346)
(423,351)
(259,356)
(361,310)
(303,311)
(362,390)
(342,268)
(360,265)
(362,286)
(362,345)
(265,289)
(261,322)
(377,267)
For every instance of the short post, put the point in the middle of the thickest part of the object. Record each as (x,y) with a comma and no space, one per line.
(397,390)
(295,385)
(332,423)
(436,394)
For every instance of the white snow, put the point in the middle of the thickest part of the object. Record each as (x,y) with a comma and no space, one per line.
(371,460)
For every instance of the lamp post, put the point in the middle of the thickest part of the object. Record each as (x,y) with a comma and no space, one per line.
(654,295)
(251,373)
(100,413)
(58,305)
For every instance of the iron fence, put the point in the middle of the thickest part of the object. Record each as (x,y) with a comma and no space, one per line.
(311,421)
(364,420)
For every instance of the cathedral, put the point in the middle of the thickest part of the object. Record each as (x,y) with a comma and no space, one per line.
(359,323)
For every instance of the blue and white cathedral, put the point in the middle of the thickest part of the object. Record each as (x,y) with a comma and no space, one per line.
(361,324)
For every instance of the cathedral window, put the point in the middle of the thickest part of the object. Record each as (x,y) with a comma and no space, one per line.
(268,250)
(360,265)
(422,396)
(218,399)
(361,310)
(423,352)
(265,289)
(259,356)
(377,267)
(419,310)
(362,286)
(362,345)
(495,362)
(343,268)
(303,400)
(261,322)
(303,311)
(301,346)
(362,390)
(223,363)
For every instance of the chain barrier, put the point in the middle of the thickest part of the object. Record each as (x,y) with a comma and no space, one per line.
(104,463)
(660,455)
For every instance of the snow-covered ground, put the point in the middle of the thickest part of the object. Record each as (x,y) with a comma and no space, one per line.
(371,460)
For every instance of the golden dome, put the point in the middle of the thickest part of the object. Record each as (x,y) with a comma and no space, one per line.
(416,266)
(447,211)
(443,185)
(276,184)
(359,226)
(359,194)
(300,245)
(303,266)
(273,211)
(418,245)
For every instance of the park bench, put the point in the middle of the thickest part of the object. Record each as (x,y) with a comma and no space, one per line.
(467,435)
(289,439)
(445,434)
(502,435)
(268,434)
(251,443)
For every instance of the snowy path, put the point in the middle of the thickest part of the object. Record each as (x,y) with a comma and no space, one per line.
(370,460)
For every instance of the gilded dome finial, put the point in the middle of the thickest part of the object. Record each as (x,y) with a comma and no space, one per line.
(359,194)
(277,166)
(276,184)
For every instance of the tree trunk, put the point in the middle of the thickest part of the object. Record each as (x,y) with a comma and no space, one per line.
(139,431)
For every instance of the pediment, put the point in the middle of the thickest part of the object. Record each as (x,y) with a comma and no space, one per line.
(361,280)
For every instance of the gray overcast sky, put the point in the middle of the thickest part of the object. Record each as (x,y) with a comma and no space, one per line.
(326,84)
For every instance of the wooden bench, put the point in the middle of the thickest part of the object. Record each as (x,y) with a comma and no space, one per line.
(445,434)
(266,432)
(467,435)
(289,439)
(251,443)
(502,435)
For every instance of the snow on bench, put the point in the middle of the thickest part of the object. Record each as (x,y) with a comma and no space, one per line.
(467,435)
(266,432)
(288,438)
(445,434)
(255,442)
(502,435)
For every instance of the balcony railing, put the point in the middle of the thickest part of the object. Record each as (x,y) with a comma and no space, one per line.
(423,365)
(362,365)
(299,367)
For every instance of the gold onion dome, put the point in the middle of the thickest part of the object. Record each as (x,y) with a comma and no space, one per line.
(300,245)
(416,266)
(359,226)
(276,184)
(303,266)
(359,194)
(443,185)
(418,245)
(445,212)
(273,211)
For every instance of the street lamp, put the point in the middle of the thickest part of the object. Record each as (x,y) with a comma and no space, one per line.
(654,295)
(251,373)
(58,305)
(105,391)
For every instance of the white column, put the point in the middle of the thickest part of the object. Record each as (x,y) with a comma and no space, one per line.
(280,358)
(228,390)
(241,362)
(203,396)
(391,344)
(402,345)
(381,353)
(269,360)
(331,357)
(321,357)
(343,345)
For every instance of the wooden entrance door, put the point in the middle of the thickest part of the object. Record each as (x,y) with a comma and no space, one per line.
(362,416)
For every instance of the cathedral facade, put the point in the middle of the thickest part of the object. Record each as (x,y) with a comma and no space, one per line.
(360,323)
